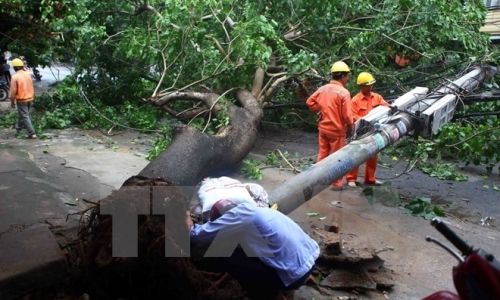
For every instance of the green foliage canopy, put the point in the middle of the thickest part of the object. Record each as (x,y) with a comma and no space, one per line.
(217,45)
(126,51)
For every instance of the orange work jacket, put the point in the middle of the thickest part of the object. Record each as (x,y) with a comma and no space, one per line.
(362,105)
(21,87)
(333,101)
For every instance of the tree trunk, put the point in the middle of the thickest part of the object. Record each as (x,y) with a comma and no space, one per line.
(193,155)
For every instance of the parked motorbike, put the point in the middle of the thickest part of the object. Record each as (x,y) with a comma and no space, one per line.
(477,275)
(36,73)
(4,90)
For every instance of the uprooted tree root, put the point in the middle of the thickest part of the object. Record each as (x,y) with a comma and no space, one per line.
(150,275)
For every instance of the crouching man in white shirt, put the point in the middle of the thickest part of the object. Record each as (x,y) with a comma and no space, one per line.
(263,249)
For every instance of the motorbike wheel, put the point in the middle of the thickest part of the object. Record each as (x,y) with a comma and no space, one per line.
(4,94)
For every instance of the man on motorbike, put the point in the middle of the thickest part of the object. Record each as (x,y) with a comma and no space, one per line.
(6,71)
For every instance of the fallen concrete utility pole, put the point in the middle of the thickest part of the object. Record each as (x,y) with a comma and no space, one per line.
(417,111)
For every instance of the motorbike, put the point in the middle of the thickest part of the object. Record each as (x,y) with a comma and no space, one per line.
(36,73)
(477,275)
(4,90)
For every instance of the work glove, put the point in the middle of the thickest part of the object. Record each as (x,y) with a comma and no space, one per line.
(350,131)
(349,134)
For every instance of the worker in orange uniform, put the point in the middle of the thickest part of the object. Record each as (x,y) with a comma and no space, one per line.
(333,102)
(362,104)
(22,94)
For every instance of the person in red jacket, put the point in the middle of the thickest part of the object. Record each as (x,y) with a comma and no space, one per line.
(362,104)
(333,102)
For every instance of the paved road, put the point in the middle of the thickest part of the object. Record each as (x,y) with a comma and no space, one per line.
(55,72)
(40,181)
(419,268)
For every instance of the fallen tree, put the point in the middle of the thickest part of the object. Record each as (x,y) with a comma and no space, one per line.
(157,199)
(201,51)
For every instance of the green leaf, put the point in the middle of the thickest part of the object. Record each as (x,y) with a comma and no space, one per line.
(322,218)
(439,211)
(71,202)
(429,216)
(368,191)
(312,214)
(419,212)
(424,199)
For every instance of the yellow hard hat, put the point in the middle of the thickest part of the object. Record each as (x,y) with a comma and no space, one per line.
(340,66)
(365,78)
(16,62)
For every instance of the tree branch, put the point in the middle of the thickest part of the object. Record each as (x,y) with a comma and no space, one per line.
(208,98)
(212,107)
(473,136)
(258,81)
(268,92)
(219,46)
(406,46)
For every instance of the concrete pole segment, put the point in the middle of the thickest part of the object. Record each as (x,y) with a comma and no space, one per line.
(318,177)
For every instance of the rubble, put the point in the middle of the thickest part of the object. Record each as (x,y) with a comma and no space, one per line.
(329,242)
(334,227)
(349,279)
(348,268)
(382,277)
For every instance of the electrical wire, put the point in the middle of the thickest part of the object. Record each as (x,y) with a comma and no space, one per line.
(419,79)
(457,90)
(472,115)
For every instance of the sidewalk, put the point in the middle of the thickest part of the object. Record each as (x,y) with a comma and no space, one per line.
(43,182)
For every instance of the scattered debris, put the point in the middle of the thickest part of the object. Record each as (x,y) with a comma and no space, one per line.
(349,279)
(17,227)
(383,278)
(334,227)
(388,248)
(329,242)
(352,256)
(486,221)
(336,204)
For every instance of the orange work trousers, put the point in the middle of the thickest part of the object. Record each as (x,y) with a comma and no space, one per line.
(328,144)
(370,168)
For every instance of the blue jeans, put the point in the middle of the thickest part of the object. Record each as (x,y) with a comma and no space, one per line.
(23,119)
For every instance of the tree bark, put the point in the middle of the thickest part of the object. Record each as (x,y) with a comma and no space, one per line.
(193,155)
